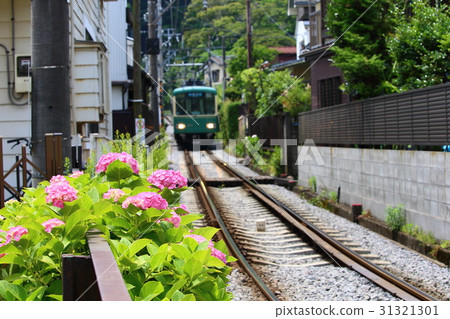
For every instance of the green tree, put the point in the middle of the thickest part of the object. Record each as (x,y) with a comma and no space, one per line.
(360,52)
(420,46)
(271,93)
(228,18)
(239,62)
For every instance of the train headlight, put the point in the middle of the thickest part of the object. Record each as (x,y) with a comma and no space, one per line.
(211,126)
(181,126)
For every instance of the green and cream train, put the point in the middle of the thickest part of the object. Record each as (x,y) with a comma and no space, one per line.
(195,113)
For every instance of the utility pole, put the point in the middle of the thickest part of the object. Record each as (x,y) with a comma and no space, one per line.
(249,35)
(50,80)
(224,81)
(153,51)
(137,83)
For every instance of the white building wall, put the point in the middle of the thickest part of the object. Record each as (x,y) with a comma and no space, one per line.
(15,120)
(377,178)
(117,40)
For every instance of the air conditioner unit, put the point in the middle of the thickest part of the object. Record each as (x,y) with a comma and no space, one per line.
(22,73)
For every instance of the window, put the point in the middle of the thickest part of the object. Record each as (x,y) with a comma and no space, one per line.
(329,91)
(215,76)
(195,103)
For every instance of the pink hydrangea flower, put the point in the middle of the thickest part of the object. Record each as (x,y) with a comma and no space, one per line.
(175,219)
(114,193)
(51,223)
(58,179)
(167,178)
(60,192)
(214,252)
(76,174)
(15,233)
(146,200)
(107,159)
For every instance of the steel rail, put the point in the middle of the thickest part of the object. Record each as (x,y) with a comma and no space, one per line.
(217,219)
(331,247)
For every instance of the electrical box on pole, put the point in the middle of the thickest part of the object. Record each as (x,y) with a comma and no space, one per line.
(153,46)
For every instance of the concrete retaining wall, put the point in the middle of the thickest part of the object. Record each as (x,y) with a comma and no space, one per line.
(378,178)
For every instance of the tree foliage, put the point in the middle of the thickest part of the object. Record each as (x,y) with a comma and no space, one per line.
(360,51)
(271,93)
(228,18)
(420,46)
(386,49)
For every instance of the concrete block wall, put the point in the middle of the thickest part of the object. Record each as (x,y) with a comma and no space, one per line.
(377,178)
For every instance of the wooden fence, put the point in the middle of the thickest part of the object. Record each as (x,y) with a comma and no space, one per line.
(22,167)
(417,117)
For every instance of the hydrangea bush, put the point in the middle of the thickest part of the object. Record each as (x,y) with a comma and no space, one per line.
(160,254)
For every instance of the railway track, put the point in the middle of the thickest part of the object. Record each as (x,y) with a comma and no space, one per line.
(278,246)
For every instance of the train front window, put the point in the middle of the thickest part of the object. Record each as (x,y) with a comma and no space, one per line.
(195,103)
(210,107)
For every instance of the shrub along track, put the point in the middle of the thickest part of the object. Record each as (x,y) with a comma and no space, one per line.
(329,247)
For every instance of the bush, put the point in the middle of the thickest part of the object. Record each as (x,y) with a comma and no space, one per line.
(229,126)
(312,182)
(160,254)
(396,217)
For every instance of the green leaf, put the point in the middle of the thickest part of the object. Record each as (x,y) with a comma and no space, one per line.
(118,171)
(77,233)
(150,290)
(193,267)
(37,294)
(189,218)
(9,249)
(170,196)
(191,243)
(157,260)
(152,249)
(137,246)
(121,222)
(181,252)
(47,260)
(102,207)
(177,286)
(56,297)
(55,245)
(93,194)
(174,235)
(76,218)
(214,262)
(12,292)
(13,260)
(201,255)
(207,232)
(177,296)
(220,245)
(231,259)
(142,189)
(189,297)
(70,208)
(86,202)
